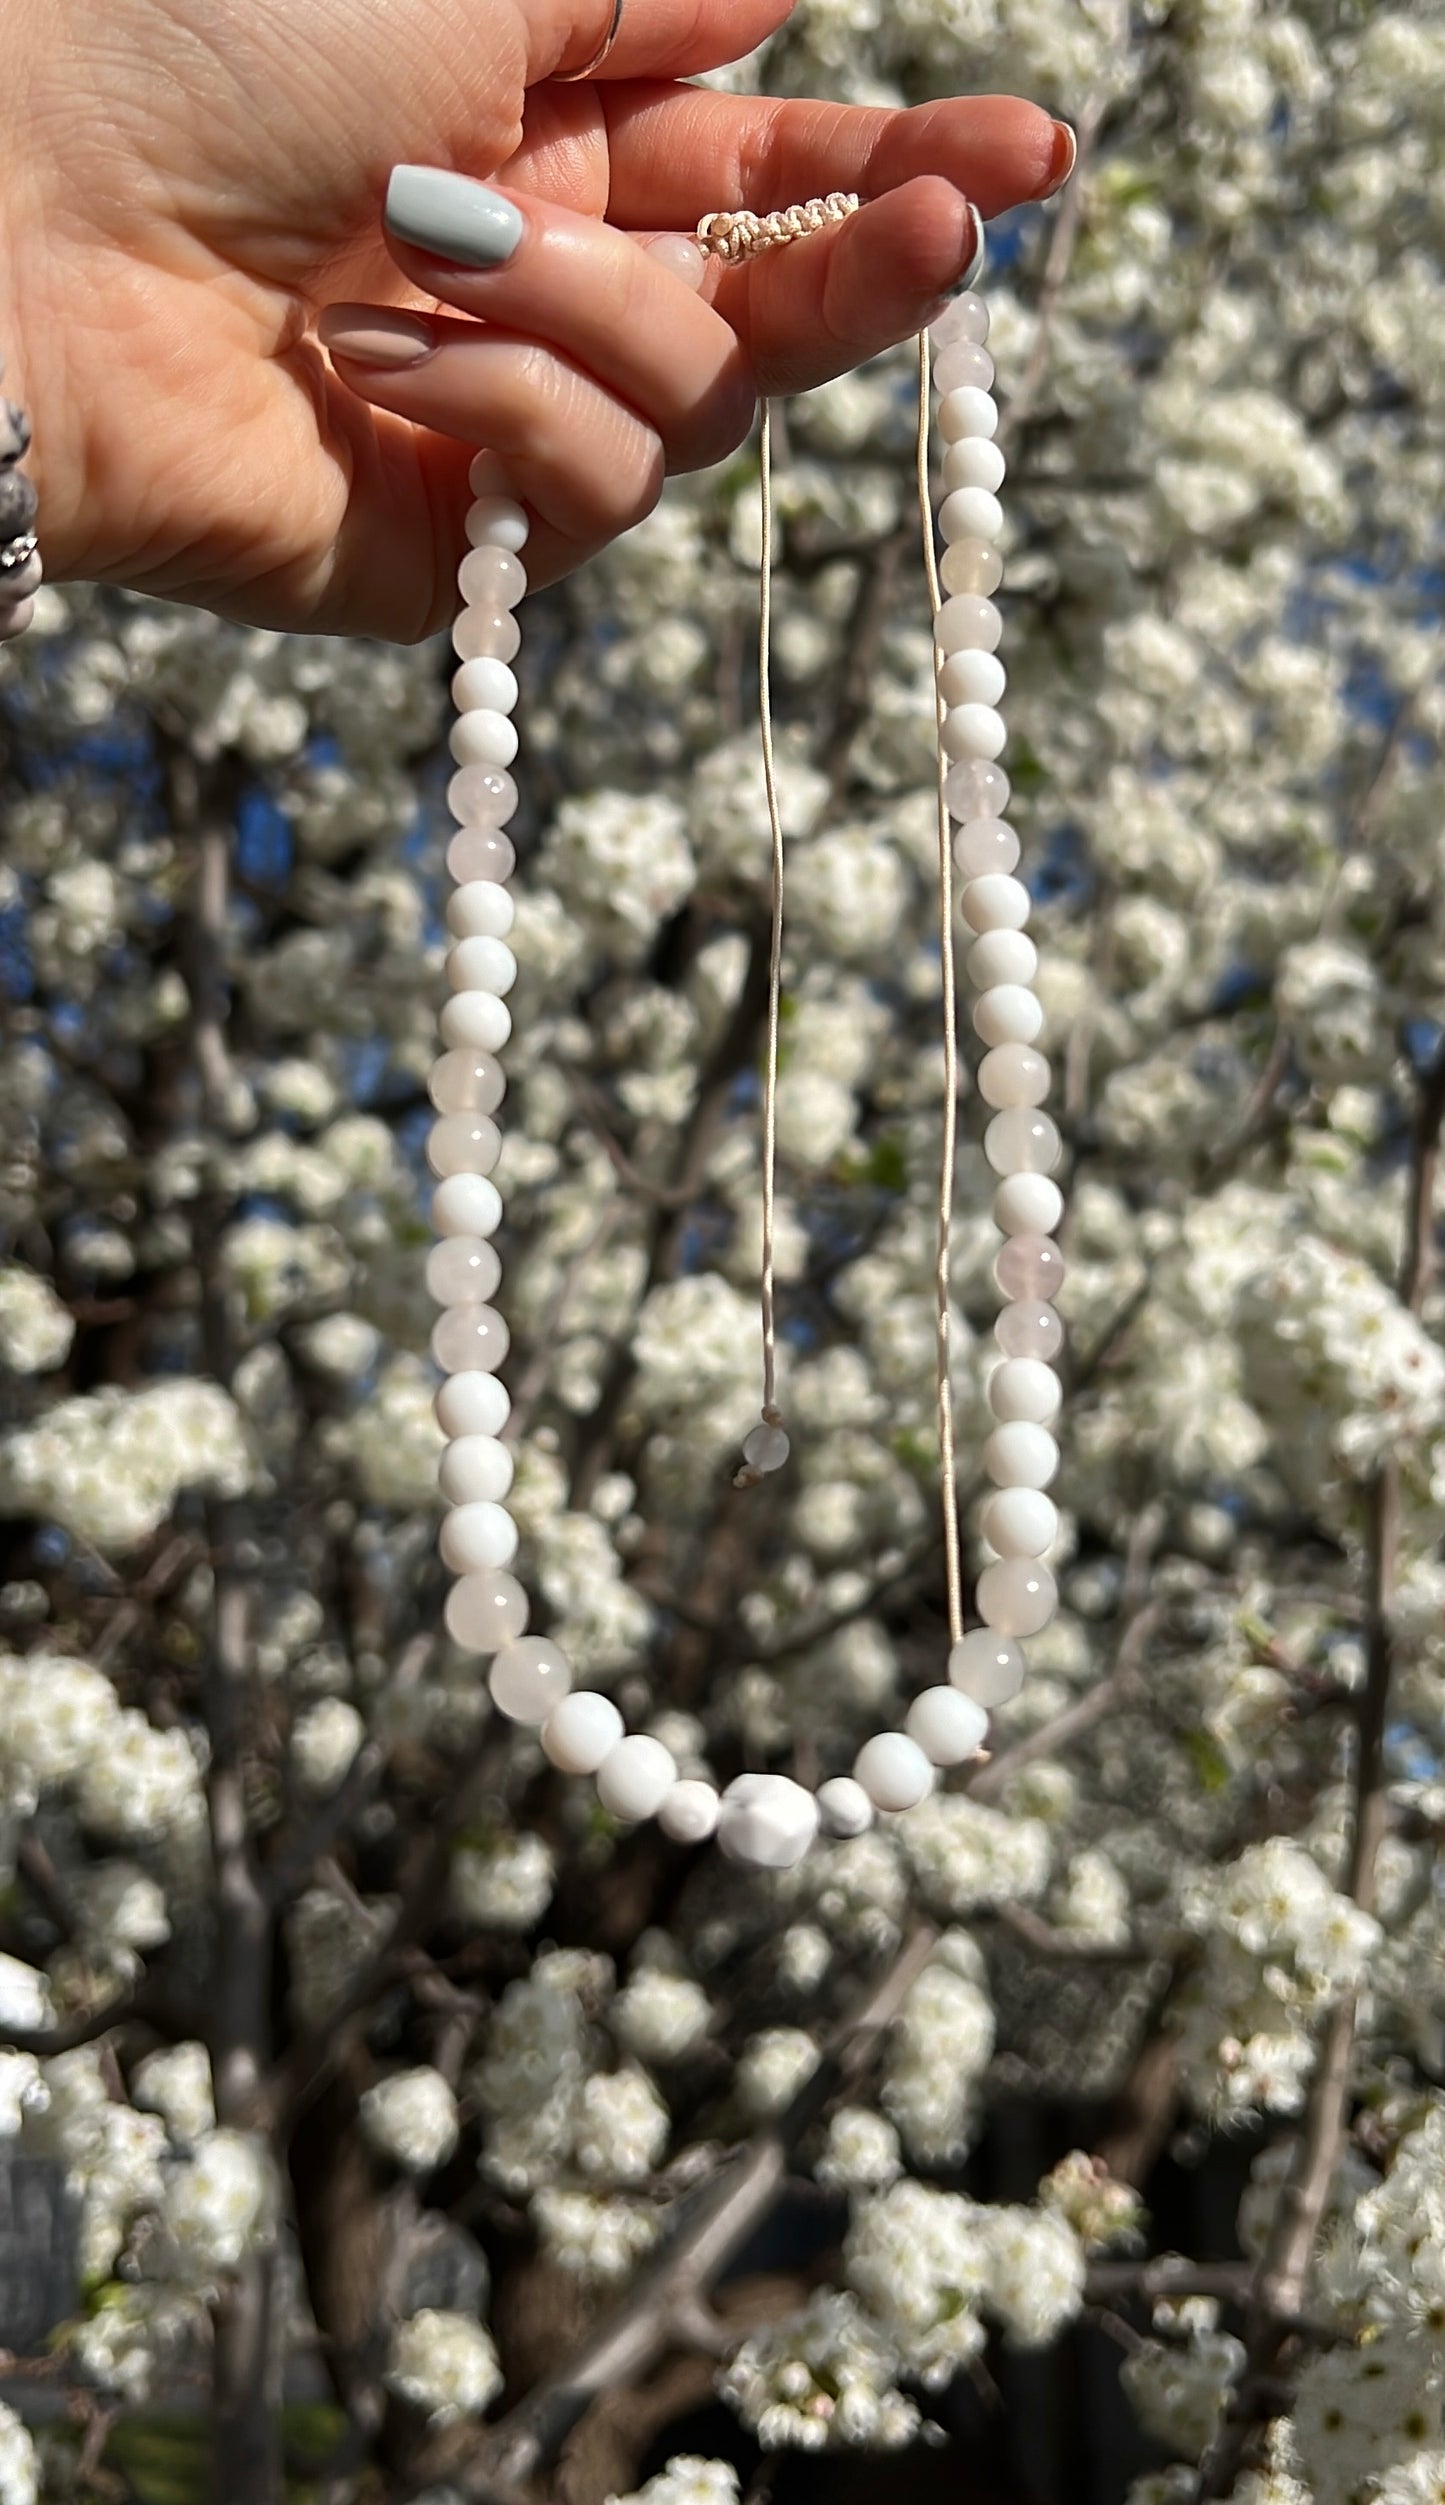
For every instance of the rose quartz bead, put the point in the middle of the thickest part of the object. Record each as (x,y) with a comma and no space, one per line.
(483,738)
(487,683)
(528,1678)
(962,361)
(986,1667)
(463,1143)
(486,634)
(493,578)
(1030,1268)
(481,965)
(948,1726)
(1022,1141)
(467,1082)
(1002,957)
(1013,1074)
(1029,1330)
(973,462)
(468,1337)
(963,317)
(1027,1204)
(472,1404)
(476,1538)
(481,853)
(970,565)
(482,795)
(967,624)
(1008,1014)
(1020,1455)
(485,1611)
(974,788)
(480,909)
(463,1270)
(580,1732)
(983,845)
(1020,1521)
(475,1021)
(466,1204)
(1023,1388)
(476,1470)
(498,522)
(972,678)
(967,411)
(971,513)
(1017,1596)
(995,902)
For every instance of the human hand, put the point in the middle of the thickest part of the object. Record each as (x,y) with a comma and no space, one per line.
(167,264)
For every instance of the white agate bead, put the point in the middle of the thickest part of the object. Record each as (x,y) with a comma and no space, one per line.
(973,731)
(463,1143)
(472,1404)
(466,1204)
(1027,1204)
(581,1732)
(481,965)
(1001,957)
(1009,1013)
(493,578)
(1021,1455)
(497,522)
(1017,1596)
(477,1469)
(970,565)
(1020,1521)
(469,1338)
(463,1270)
(974,461)
(982,845)
(635,1778)
(768,1820)
(485,1611)
(528,1678)
(486,684)
(947,1725)
(1022,1140)
(476,1019)
(483,738)
(986,1667)
(467,1082)
(972,678)
(967,623)
(486,630)
(1023,1388)
(970,513)
(995,902)
(844,1807)
(967,411)
(1014,1074)
(893,1771)
(482,909)
(474,1536)
(689,1815)
(766,1447)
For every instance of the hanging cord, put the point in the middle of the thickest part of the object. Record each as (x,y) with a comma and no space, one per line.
(948,1479)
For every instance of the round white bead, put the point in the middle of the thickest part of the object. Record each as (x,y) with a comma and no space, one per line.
(1002,957)
(463,1270)
(766,1447)
(1028,1204)
(488,685)
(1017,1596)
(466,1204)
(844,1806)
(486,1610)
(1021,1455)
(1022,1140)
(463,1143)
(972,461)
(482,909)
(970,513)
(947,1725)
(476,1469)
(492,577)
(1013,1074)
(635,1778)
(967,411)
(481,965)
(483,737)
(1020,1521)
(768,1820)
(476,1018)
(497,522)
(995,902)
(986,1667)
(528,1678)
(473,1536)
(581,1732)
(963,317)
(473,1404)
(973,731)
(893,1771)
(689,1815)
(1009,1013)
(1024,1388)
(968,623)
(972,678)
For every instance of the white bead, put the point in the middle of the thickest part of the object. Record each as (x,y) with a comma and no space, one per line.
(497,522)
(844,1806)
(463,1143)
(893,1771)
(581,1732)
(1020,1521)
(1023,1140)
(635,1778)
(473,1536)
(466,1204)
(1021,1455)
(481,965)
(475,1469)
(1024,1388)
(768,1820)
(972,678)
(689,1815)
(1002,957)
(766,1447)
(948,1726)
(967,411)
(995,903)
(478,1018)
(973,461)
(486,684)
(486,1610)
(492,578)
(528,1678)
(1014,1074)
(473,1404)
(463,1270)
(1009,1013)
(1017,1596)
(973,731)
(987,1667)
(481,910)
(963,317)
(970,513)
(968,623)
(483,737)
(1028,1204)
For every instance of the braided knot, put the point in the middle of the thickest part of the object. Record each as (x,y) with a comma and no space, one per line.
(736,235)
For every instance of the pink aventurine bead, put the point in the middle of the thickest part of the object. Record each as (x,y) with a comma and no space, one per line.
(480,853)
(470,1338)
(467,1082)
(984,844)
(1030,1269)
(492,578)
(962,361)
(1029,1330)
(486,634)
(482,795)
(977,788)
(463,1270)
(966,318)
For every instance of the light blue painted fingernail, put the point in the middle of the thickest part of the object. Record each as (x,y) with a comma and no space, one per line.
(452,216)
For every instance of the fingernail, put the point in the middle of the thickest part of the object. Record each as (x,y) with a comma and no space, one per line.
(1061,163)
(973,268)
(372,337)
(452,216)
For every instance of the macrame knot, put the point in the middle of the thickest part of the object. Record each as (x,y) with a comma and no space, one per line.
(737,235)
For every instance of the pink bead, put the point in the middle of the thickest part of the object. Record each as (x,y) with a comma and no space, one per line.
(464,1270)
(492,578)
(486,1610)
(528,1678)
(463,1143)
(1030,1269)
(1029,1330)
(481,634)
(985,844)
(964,318)
(469,1338)
(467,1082)
(970,565)
(962,361)
(1022,1141)
(481,852)
(977,788)
(1013,1074)
(482,795)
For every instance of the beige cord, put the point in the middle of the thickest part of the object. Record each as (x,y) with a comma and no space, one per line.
(741,234)
(775,960)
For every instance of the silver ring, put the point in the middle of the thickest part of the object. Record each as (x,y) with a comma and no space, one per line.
(565,77)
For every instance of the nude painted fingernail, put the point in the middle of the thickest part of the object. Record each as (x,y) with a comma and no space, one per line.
(370,336)
(1061,163)
(452,216)
(972,270)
